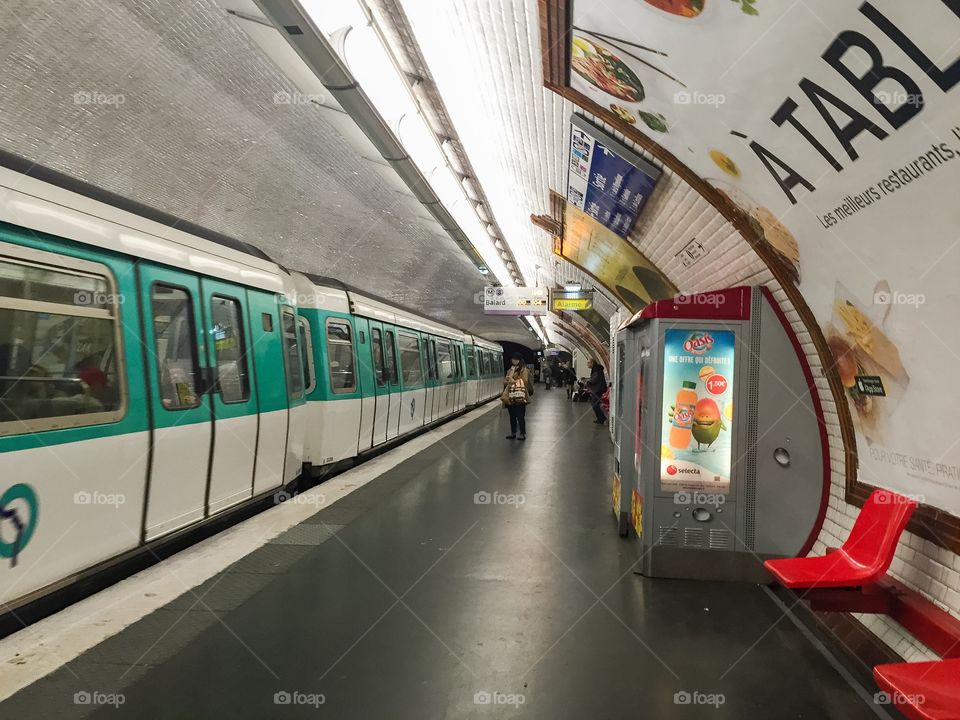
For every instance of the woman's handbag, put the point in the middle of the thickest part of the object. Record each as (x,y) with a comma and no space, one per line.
(517,393)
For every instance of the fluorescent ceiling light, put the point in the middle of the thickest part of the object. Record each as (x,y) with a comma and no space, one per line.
(492,260)
(572,287)
(332,15)
(535,326)
(421,145)
(378,76)
(445,185)
(383,83)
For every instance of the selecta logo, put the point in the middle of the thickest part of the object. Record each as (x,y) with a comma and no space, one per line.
(671,469)
(699,343)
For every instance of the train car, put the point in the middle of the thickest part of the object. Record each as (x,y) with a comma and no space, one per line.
(490,369)
(153,381)
(382,372)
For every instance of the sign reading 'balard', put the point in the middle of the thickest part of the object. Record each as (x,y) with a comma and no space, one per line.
(514,301)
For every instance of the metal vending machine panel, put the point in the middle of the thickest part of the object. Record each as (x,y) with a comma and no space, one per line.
(728,452)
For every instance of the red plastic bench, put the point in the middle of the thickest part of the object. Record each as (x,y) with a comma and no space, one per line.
(922,691)
(864,557)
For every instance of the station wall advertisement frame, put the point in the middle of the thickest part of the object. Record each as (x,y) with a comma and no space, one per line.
(696,440)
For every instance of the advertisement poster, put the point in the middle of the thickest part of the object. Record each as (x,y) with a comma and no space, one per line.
(612,261)
(696,448)
(607,180)
(835,127)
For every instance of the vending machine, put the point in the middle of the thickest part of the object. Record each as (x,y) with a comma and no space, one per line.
(721,451)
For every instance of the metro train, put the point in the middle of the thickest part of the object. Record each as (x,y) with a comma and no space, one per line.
(153,381)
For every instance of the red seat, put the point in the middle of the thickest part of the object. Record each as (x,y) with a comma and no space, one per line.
(922,691)
(864,557)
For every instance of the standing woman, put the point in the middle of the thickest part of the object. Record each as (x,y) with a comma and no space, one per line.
(517,389)
(597,385)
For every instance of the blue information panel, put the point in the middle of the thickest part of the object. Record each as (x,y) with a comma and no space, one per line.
(609,182)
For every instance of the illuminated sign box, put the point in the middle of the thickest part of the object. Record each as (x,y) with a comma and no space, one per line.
(572,303)
(514,301)
(605,179)
(567,300)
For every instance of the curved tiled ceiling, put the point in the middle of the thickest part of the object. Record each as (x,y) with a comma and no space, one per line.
(199,135)
(485,60)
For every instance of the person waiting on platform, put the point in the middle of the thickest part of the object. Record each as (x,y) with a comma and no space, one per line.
(597,386)
(517,389)
(568,378)
(547,375)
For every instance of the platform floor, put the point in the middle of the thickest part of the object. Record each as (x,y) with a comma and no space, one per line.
(410,599)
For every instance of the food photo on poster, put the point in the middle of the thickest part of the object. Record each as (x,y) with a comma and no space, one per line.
(696,447)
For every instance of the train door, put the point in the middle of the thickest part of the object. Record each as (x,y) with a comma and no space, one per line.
(481,377)
(438,380)
(235,409)
(296,395)
(459,381)
(471,384)
(457,376)
(270,388)
(444,375)
(365,381)
(179,381)
(393,380)
(430,352)
(381,386)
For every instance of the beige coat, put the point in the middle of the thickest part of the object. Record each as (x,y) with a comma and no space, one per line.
(512,377)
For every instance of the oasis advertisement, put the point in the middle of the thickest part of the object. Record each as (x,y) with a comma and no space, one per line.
(696,449)
(835,126)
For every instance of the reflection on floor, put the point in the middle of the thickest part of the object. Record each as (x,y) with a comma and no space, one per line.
(481,578)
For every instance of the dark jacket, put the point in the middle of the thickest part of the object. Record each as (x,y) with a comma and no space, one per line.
(597,384)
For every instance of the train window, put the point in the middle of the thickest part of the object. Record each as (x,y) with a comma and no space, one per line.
(306,351)
(340,355)
(58,347)
(410,360)
(175,346)
(229,349)
(267,320)
(444,360)
(471,365)
(291,354)
(379,370)
(486,363)
(391,353)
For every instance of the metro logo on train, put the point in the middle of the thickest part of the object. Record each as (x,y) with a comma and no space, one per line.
(19,512)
